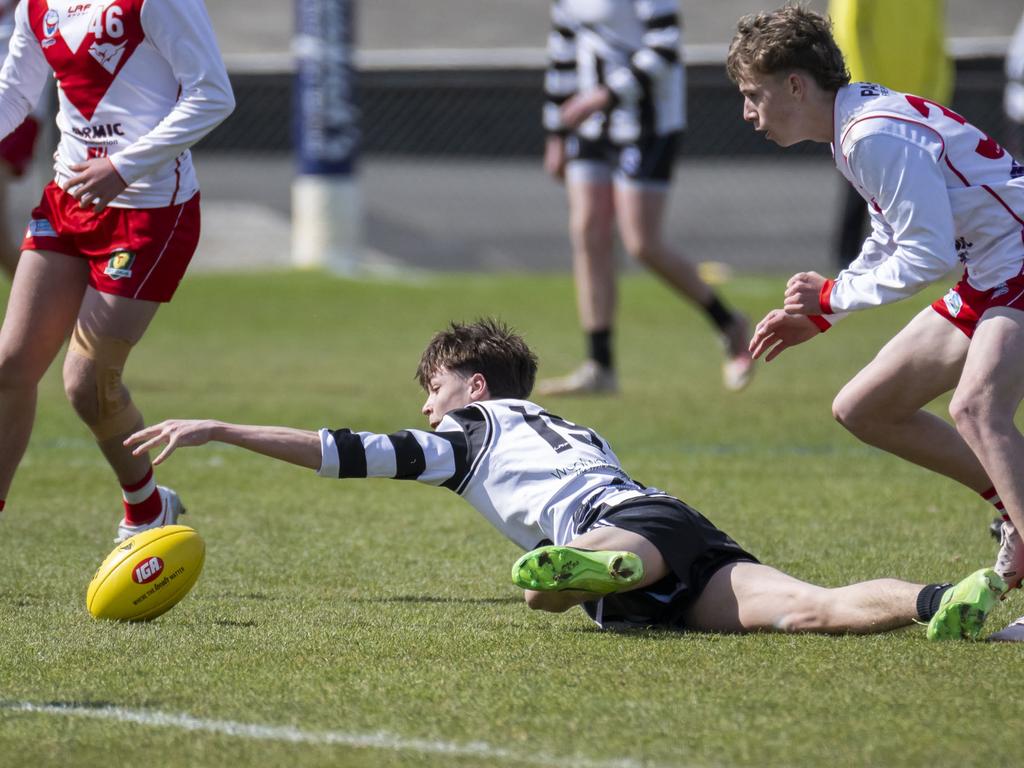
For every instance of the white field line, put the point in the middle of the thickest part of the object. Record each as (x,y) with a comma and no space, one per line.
(291,734)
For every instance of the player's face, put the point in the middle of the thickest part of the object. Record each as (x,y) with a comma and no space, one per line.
(446,391)
(771,103)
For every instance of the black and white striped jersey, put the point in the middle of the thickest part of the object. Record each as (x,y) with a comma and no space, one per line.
(631,46)
(533,475)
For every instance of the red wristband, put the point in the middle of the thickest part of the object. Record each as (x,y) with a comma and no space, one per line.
(825,297)
(821,322)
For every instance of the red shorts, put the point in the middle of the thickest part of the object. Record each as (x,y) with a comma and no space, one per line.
(963,306)
(140,253)
(16,148)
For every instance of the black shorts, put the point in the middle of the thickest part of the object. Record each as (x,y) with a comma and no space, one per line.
(693,549)
(648,160)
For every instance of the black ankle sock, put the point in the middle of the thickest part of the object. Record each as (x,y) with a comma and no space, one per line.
(928,600)
(600,343)
(719,313)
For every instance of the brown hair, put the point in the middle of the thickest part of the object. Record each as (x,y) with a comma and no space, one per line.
(488,347)
(791,37)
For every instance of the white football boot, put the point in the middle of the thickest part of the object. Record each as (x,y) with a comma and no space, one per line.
(1010,560)
(171,509)
(591,378)
(1013,633)
(738,368)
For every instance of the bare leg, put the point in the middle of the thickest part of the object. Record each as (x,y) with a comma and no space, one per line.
(986,401)
(605,538)
(111,317)
(640,214)
(591,220)
(41,310)
(749,597)
(882,405)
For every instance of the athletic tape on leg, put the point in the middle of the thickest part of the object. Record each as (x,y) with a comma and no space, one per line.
(116,413)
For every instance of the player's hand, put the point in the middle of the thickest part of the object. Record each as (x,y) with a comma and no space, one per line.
(95,184)
(176,433)
(778,331)
(554,157)
(583,105)
(803,294)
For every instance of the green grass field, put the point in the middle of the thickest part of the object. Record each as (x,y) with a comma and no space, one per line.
(372,623)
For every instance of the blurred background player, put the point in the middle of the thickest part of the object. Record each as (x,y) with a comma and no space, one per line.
(615,107)
(902,45)
(114,232)
(15,153)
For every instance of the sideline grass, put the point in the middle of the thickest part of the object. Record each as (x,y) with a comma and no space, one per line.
(382,607)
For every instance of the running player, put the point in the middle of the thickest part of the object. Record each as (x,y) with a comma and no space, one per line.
(615,106)
(942,193)
(630,554)
(139,83)
(15,152)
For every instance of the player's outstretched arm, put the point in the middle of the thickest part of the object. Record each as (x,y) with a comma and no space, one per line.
(778,331)
(296,446)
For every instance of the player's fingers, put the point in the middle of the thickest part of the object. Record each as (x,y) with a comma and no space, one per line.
(775,351)
(762,345)
(152,442)
(163,455)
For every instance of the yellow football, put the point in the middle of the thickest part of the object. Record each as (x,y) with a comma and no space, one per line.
(147,574)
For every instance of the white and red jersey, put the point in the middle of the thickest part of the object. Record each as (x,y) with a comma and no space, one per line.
(139,81)
(940,192)
(534,476)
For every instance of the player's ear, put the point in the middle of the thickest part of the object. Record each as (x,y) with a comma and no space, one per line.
(478,389)
(794,84)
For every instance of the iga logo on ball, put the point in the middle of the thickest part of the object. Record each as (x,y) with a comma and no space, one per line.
(147,574)
(147,570)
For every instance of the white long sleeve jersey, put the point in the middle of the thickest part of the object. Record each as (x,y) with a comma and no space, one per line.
(630,46)
(939,190)
(534,476)
(139,81)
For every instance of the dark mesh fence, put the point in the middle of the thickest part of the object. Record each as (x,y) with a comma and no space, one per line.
(496,113)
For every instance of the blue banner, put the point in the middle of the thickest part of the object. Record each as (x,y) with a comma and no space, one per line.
(326,117)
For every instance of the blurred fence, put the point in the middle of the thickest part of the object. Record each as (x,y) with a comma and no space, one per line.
(495,112)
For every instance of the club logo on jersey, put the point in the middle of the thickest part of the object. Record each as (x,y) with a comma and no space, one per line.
(50,23)
(99,131)
(41,228)
(119,266)
(953,303)
(107,54)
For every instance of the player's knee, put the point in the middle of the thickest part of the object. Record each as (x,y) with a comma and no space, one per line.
(846,410)
(809,610)
(591,231)
(92,383)
(977,415)
(644,250)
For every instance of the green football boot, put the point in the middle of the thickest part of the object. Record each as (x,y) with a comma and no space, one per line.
(964,607)
(549,569)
